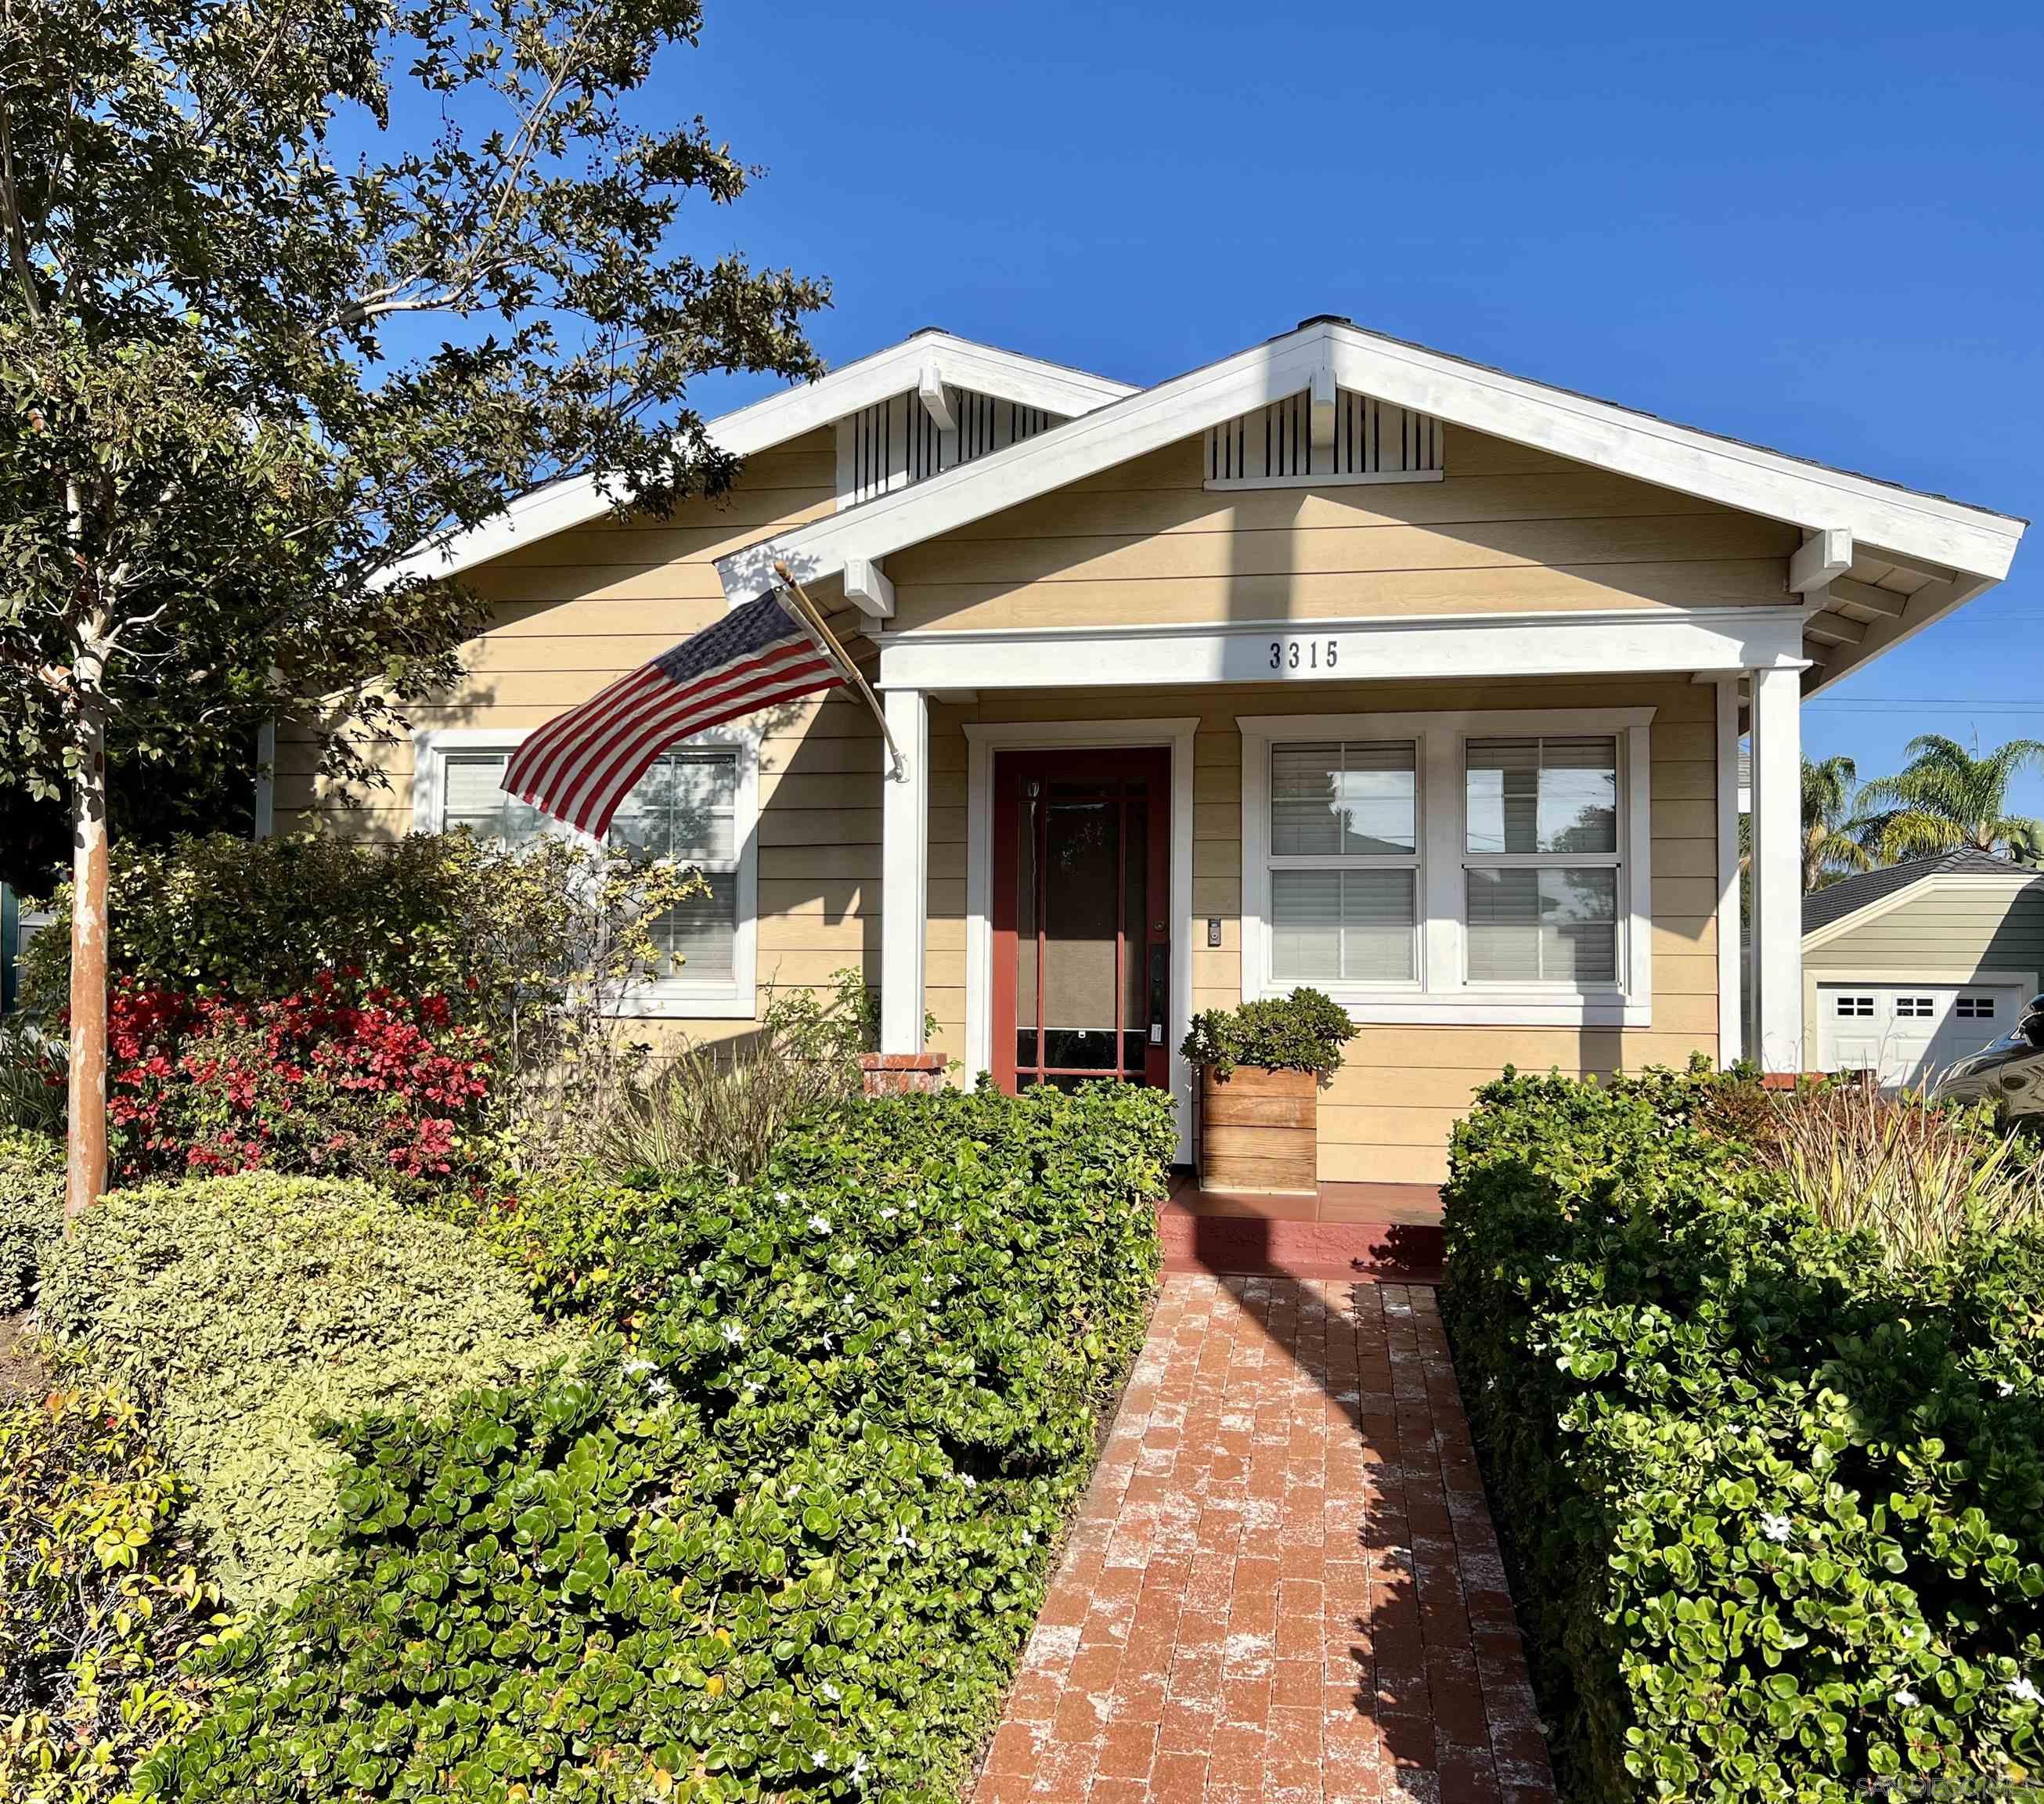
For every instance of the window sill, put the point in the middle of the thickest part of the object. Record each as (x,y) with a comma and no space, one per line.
(684,1005)
(1476,1007)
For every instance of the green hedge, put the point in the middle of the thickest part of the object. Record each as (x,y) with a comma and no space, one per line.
(1774,1511)
(32,1189)
(788,1544)
(103,1592)
(245,1313)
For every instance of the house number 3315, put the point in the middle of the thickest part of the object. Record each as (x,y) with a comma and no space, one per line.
(1303,654)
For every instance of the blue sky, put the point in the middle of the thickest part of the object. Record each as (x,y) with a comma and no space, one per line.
(1819,227)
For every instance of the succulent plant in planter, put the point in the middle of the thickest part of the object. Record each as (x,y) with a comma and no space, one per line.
(1260,1067)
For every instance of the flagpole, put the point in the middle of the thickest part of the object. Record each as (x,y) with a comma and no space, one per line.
(809,615)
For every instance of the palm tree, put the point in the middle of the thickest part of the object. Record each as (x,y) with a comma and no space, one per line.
(1947,797)
(1829,821)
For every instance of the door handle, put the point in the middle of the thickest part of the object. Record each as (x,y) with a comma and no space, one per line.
(1160,989)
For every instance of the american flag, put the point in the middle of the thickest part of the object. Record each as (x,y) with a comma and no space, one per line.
(581,765)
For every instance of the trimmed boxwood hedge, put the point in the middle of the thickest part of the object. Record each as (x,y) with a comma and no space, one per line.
(787,1541)
(1774,1512)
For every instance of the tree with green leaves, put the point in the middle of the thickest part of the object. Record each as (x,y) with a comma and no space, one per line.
(1947,797)
(245,367)
(1830,820)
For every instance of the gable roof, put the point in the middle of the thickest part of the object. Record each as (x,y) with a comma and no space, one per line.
(931,351)
(1822,908)
(1964,548)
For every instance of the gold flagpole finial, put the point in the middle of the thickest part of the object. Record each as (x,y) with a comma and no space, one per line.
(809,616)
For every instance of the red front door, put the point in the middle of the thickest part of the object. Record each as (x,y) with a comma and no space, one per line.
(1081,920)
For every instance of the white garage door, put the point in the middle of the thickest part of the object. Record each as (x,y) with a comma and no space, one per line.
(1910,1033)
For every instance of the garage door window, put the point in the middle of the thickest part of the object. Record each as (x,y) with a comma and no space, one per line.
(1859,1006)
(1915,1007)
(1975,1008)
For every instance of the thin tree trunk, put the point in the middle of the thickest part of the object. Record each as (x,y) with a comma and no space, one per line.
(85,1174)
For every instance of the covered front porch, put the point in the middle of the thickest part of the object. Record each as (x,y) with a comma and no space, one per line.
(1099,833)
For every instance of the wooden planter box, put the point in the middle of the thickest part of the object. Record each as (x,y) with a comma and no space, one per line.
(1258,1132)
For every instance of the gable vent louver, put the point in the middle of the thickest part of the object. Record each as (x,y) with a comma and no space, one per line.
(895,442)
(1272,447)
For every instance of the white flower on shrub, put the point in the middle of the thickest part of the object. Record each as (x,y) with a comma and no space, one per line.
(903,1539)
(732,1334)
(858,1772)
(2024,1692)
(819,1224)
(888,1213)
(2005,1389)
(1908,1698)
(1775,1528)
(638,1368)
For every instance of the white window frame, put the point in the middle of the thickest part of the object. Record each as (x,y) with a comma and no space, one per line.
(664,998)
(1443,993)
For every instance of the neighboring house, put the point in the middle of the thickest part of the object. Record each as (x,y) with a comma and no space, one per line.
(1909,968)
(1337,661)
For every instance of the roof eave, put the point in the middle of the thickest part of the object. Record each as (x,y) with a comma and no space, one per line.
(1972,542)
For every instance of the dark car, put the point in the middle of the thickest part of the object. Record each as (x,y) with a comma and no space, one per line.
(2011,1071)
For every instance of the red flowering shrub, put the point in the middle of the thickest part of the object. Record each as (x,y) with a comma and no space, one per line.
(329,1080)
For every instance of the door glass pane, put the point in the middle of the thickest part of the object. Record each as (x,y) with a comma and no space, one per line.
(1554,926)
(1078,1048)
(1136,888)
(1081,908)
(1025,922)
(1528,795)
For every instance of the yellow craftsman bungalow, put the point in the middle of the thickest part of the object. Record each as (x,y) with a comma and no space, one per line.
(1338,662)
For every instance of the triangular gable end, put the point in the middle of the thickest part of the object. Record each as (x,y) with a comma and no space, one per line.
(990,398)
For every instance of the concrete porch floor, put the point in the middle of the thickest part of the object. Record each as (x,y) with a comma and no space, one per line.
(1362,1231)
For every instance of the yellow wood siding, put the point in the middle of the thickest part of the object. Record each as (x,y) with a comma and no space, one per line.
(1508,529)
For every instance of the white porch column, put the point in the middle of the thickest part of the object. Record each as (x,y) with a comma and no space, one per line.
(1777,868)
(904,889)
(1731,964)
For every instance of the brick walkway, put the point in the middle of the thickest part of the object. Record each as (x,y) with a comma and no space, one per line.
(1284,1584)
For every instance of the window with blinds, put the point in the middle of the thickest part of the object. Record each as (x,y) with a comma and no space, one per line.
(1541,866)
(683,810)
(1344,863)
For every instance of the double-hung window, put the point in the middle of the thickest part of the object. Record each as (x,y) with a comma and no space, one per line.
(693,807)
(1468,868)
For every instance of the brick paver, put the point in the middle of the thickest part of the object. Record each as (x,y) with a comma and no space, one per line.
(1284,1585)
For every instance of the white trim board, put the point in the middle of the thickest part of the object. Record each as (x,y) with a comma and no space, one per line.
(983,740)
(962,363)
(1935,883)
(1602,643)
(1915,527)
(665,998)
(1442,993)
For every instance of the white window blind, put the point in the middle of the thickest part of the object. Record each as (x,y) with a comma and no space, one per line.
(1344,862)
(1543,867)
